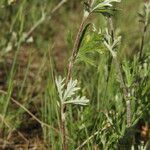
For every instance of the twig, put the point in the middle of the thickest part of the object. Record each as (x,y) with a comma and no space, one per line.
(92,136)
(12,129)
(33,116)
(58,6)
(42,19)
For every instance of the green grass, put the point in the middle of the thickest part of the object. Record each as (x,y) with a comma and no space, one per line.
(115,79)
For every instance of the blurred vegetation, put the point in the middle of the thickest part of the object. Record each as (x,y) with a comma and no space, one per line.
(36,43)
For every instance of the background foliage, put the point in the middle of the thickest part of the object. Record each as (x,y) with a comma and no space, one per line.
(32,59)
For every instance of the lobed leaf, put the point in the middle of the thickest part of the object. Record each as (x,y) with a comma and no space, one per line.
(70,90)
(60,86)
(78,101)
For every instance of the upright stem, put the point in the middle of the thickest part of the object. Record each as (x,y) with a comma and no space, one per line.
(118,68)
(125,92)
(69,74)
(75,49)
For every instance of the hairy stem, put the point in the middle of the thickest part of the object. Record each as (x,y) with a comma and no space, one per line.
(69,74)
(125,92)
(75,49)
(119,71)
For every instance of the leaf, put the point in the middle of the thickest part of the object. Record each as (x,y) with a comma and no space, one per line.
(111,46)
(106,3)
(60,86)
(70,90)
(86,7)
(127,70)
(85,59)
(83,34)
(78,101)
(105,12)
(140,15)
(110,49)
(91,42)
(116,42)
